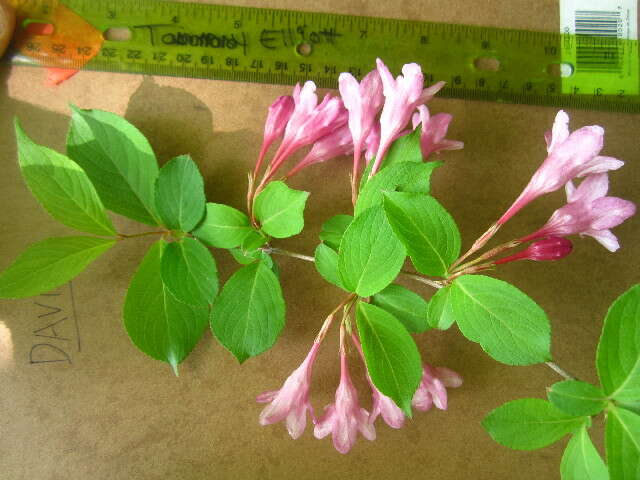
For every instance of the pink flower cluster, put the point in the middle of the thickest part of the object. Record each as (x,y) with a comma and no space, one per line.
(367,118)
(344,418)
(588,211)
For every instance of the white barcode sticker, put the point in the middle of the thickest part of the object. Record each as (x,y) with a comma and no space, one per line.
(599,47)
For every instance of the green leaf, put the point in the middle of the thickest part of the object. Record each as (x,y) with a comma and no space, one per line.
(391,355)
(50,263)
(253,241)
(508,325)
(370,256)
(403,177)
(280,210)
(333,230)
(160,325)
(632,407)
(407,306)
(245,258)
(223,226)
(118,159)
(581,460)
(529,423)
(622,441)
(248,315)
(405,149)
(179,194)
(426,229)
(618,357)
(61,187)
(440,312)
(577,398)
(189,272)
(327,264)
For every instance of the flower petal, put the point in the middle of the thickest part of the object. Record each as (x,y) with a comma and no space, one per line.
(448,377)
(422,398)
(345,433)
(430,92)
(388,82)
(365,425)
(266,397)
(297,421)
(324,425)
(599,164)
(606,238)
(591,188)
(274,412)
(559,132)
(439,393)
(610,212)
(391,414)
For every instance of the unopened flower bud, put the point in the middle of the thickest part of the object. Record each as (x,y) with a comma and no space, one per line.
(551,248)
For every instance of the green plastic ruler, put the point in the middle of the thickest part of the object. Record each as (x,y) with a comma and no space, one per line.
(285,47)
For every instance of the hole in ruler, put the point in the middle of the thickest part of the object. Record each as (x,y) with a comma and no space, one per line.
(488,64)
(304,49)
(117,34)
(560,69)
(36,27)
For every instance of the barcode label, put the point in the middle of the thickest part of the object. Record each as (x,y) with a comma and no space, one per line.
(598,23)
(593,55)
(600,46)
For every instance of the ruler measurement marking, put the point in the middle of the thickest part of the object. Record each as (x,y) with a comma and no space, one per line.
(333,38)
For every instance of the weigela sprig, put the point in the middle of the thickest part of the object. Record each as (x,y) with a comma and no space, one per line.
(395,144)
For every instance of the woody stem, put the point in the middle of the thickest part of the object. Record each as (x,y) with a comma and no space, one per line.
(559,370)
(123,236)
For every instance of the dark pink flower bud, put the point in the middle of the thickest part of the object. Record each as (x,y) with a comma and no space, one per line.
(279,114)
(552,248)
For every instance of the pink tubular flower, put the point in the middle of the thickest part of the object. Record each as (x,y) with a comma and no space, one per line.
(371,143)
(279,113)
(363,101)
(335,144)
(345,417)
(402,96)
(588,212)
(434,129)
(291,402)
(552,248)
(384,406)
(309,122)
(432,387)
(571,155)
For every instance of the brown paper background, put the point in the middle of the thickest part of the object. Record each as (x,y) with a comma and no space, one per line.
(114,413)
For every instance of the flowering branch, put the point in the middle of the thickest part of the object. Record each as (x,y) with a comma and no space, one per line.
(383,121)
